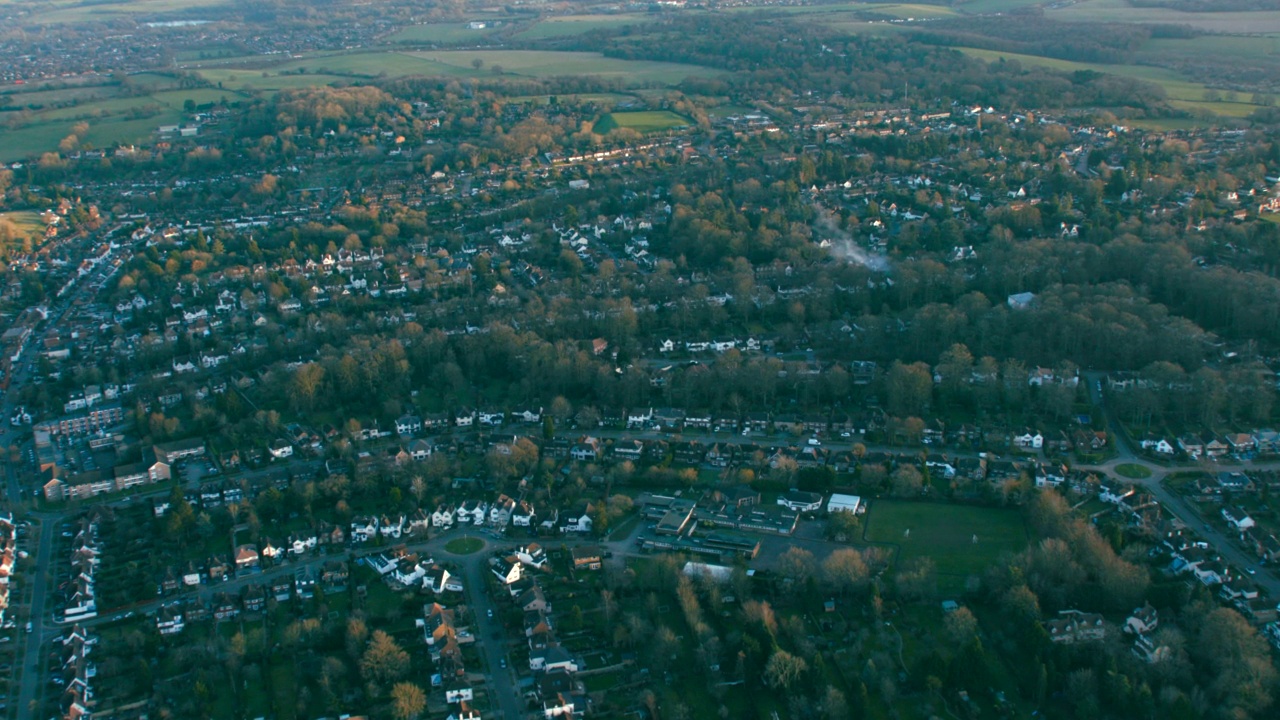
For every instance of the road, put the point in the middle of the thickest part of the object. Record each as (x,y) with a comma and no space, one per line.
(1225,545)
(491,635)
(32,671)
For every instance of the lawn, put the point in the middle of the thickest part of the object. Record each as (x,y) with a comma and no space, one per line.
(1133,471)
(644,121)
(961,539)
(464,545)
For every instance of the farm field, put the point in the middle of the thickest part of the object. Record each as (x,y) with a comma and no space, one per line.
(1119,11)
(65,11)
(946,533)
(270,83)
(570,25)
(641,121)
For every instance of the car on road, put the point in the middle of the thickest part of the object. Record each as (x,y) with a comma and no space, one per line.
(29,626)
(502,663)
(490,613)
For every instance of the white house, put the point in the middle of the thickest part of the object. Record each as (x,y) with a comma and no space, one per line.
(523,514)
(507,569)
(1237,518)
(1142,621)
(1029,440)
(801,502)
(639,417)
(442,517)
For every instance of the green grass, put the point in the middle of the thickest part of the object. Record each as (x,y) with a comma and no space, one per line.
(269,82)
(945,533)
(1133,471)
(644,121)
(27,221)
(571,25)
(464,545)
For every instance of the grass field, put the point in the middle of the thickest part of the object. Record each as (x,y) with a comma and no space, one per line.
(268,83)
(1133,470)
(570,25)
(463,545)
(645,121)
(68,11)
(946,534)
(27,222)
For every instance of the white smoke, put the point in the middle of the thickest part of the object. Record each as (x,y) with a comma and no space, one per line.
(843,246)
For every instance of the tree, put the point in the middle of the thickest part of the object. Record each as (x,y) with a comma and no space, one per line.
(961,626)
(408,701)
(908,388)
(844,570)
(843,526)
(384,661)
(907,482)
(783,670)
(796,564)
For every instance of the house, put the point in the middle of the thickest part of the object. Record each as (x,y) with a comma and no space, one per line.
(442,517)
(506,568)
(1149,651)
(532,599)
(523,514)
(586,557)
(1157,445)
(438,580)
(801,502)
(419,450)
(281,449)
(585,450)
(1029,440)
(1113,493)
(1074,626)
(501,510)
(532,555)
(639,418)
(577,520)
(552,658)
(1237,518)
(1191,445)
(1142,621)
(561,705)
(408,425)
(246,557)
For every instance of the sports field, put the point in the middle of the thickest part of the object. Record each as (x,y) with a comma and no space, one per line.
(961,539)
(644,121)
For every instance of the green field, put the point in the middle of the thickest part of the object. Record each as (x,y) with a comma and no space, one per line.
(1133,470)
(645,121)
(464,545)
(28,223)
(269,83)
(570,25)
(946,534)
(69,11)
